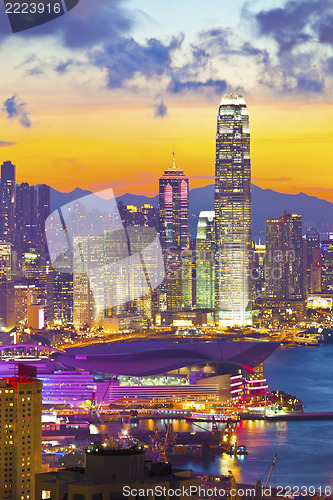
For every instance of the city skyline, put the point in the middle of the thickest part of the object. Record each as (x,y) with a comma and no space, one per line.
(164,310)
(69,118)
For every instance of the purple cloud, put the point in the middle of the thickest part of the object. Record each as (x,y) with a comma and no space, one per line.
(160,110)
(15,108)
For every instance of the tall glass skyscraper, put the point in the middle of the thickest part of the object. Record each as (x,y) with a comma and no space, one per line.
(233,213)
(176,291)
(7,200)
(174,208)
(205,253)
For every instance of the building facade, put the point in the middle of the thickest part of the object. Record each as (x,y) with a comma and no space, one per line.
(233,213)
(176,291)
(327,265)
(284,258)
(174,208)
(313,262)
(5,261)
(7,200)
(205,261)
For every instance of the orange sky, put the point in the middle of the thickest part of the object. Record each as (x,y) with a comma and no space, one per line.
(127,148)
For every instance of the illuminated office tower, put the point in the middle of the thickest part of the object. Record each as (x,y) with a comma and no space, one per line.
(88,281)
(313,262)
(43,204)
(176,291)
(174,208)
(21,437)
(22,295)
(81,286)
(327,265)
(26,216)
(258,270)
(205,260)
(5,261)
(63,297)
(233,213)
(284,258)
(7,201)
(7,304)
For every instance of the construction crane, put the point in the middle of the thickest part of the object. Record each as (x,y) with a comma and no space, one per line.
(107,438)
(233,487)
(271,470)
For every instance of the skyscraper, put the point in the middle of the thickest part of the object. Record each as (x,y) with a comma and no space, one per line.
(44,205)
(176,291)
(21,436)
(5,261)
(7,201)
(205,260)
(233,213)
(327,265)
(284,258)
(313,262)
(26,216)
(174,208)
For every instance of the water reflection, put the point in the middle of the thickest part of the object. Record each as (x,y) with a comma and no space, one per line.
(304,448)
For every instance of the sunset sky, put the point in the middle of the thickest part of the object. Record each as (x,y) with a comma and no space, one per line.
(97,97)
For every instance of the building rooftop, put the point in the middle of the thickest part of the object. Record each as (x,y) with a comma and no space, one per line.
(156,357)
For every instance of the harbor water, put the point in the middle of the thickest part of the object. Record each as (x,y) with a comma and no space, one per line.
(304,448)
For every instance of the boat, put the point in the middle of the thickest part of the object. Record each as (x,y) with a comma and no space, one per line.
(308,339)
(240,450)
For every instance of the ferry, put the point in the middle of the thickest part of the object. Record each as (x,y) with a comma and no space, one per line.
(275,410)
(308,339)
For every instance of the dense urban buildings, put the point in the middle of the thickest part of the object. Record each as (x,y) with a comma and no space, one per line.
(233,213)
(221,269)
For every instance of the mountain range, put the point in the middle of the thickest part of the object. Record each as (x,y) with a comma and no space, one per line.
(266,203)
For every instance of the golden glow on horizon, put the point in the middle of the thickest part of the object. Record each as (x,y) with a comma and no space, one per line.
(128,149)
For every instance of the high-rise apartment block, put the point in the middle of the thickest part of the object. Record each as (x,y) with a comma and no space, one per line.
(7,304)
(284,258)
(21,437)
(233,213)
(258,270)
(327,265)
(313,262)
(205,261)
(5,261)
(7,200)
(27,227)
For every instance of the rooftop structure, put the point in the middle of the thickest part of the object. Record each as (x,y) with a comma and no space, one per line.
(153,358)
(108,472)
